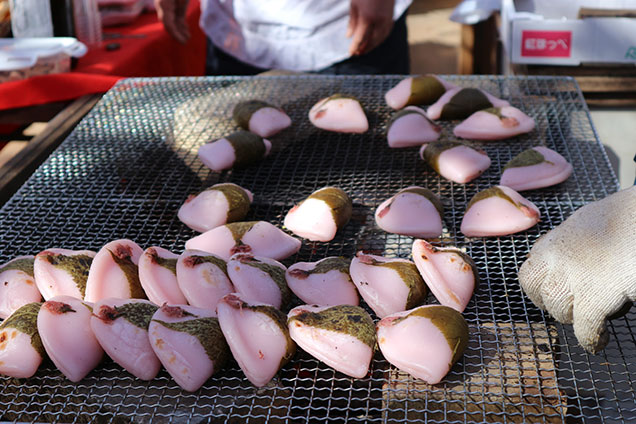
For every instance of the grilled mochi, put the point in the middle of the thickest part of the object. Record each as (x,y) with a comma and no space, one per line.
(214,206)
(259,238)
(259,279)
(321,215)
(418,90)
(237,150)
(64,324)
(121,327)
(495,123)
(342,336)
(325,283)
(455,161)
(460,103)
(158,276)
(17,285)
(114,272)
(260,117)
(257,335)
(203,278)
(424,342)
(413,211)
(21,350)
(448,272)
(410,127)
(62,272)
(534,168)
(498,211)
(339,113)
(189,343)
(388,285)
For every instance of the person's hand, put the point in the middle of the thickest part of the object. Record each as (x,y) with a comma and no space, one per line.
(584,271)
(370,22)
(173,15)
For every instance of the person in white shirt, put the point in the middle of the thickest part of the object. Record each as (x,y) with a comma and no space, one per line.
(327,36)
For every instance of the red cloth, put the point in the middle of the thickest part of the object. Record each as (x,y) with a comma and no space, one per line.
(146,50)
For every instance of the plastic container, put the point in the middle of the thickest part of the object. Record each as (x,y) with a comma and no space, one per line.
(22,58)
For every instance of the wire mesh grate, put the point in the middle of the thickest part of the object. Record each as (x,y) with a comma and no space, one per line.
(131,162)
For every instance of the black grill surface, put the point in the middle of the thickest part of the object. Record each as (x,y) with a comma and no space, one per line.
(128,166)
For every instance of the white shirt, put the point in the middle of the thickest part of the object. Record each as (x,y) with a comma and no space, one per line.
(297,35)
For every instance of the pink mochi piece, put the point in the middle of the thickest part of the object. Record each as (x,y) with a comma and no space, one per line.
(325,282)
(335,347)
(64,324)
(414,342)
(211,207)
(321,215)
(434,111)
(54,279)
(19,357)
(158,276)
(459,163)
(553,169)
(339,114)
(220,155)
(257,335)
(268,121)
(202,278)
(387,285)
(114,272)
(450,274)
(498,211)
(259,279)
(404,93)
(182,354)
(18,286)
(124,341)
(259,238)
(410,128)
(495,124)
(413,211)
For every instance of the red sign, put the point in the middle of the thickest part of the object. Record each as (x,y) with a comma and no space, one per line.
(546,43)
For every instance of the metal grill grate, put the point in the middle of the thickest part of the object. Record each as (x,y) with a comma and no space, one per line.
(128,166)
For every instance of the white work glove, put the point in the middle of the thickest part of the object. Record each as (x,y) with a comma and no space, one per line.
(584,270)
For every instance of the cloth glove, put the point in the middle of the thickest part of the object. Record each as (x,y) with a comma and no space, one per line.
(584,270)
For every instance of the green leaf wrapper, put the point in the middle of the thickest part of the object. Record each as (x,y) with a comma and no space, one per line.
(528,157)
(425,90)
(449,322)
(464,103)
(24,264)
(77,266)
(410,276)
(131,270)
(276,273)
(339,202)
(242,112)
(347,319)
(208,332)
(25,320)
(237,199)
(248,148)
(138,314)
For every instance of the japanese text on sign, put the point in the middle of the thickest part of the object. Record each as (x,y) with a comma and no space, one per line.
(546,43)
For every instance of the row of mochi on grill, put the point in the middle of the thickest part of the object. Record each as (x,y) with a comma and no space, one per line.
(413,211)
(488,118)
(190,341)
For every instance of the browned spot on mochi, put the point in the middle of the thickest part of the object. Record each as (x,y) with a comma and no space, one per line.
(58,308)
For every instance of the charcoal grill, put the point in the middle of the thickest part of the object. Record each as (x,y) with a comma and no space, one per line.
(131,162)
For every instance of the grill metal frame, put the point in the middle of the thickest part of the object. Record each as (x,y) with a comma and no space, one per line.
(130,163)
